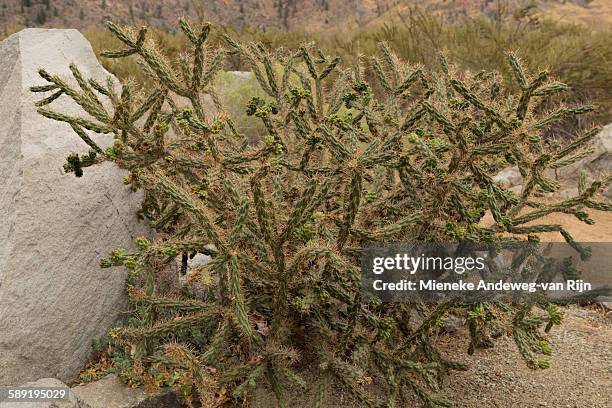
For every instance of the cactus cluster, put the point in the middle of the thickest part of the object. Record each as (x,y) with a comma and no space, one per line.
(383,150)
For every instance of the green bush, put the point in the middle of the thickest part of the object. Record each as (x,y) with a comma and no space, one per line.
(407,156)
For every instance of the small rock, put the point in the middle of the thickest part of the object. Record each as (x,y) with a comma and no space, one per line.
(606,305)
(110,392)
(453,323)
(568,193)
(193,266)
(509,177)
(198,261)
(516,189)
(597,164)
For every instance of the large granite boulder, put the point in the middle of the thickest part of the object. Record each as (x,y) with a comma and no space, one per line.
(54,298)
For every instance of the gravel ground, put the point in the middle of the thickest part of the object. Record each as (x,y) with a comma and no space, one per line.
(580,375)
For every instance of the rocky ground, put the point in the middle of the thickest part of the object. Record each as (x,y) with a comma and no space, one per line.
(580,375)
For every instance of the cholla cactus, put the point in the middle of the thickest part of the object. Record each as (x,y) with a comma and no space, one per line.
(405,156)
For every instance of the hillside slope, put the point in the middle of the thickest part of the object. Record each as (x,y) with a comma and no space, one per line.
(308,14)
(316,14)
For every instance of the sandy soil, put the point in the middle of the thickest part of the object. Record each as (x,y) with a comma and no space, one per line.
(601,231)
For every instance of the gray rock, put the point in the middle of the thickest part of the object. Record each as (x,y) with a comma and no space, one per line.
(509,177)
(54,298)
(71,402)
(453,323)
(607,193)
(597,164)
(518,189)
(568,193)
(110,392)
(193,266)
(197,262)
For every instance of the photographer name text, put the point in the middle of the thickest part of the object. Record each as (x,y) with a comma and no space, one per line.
(432,285)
